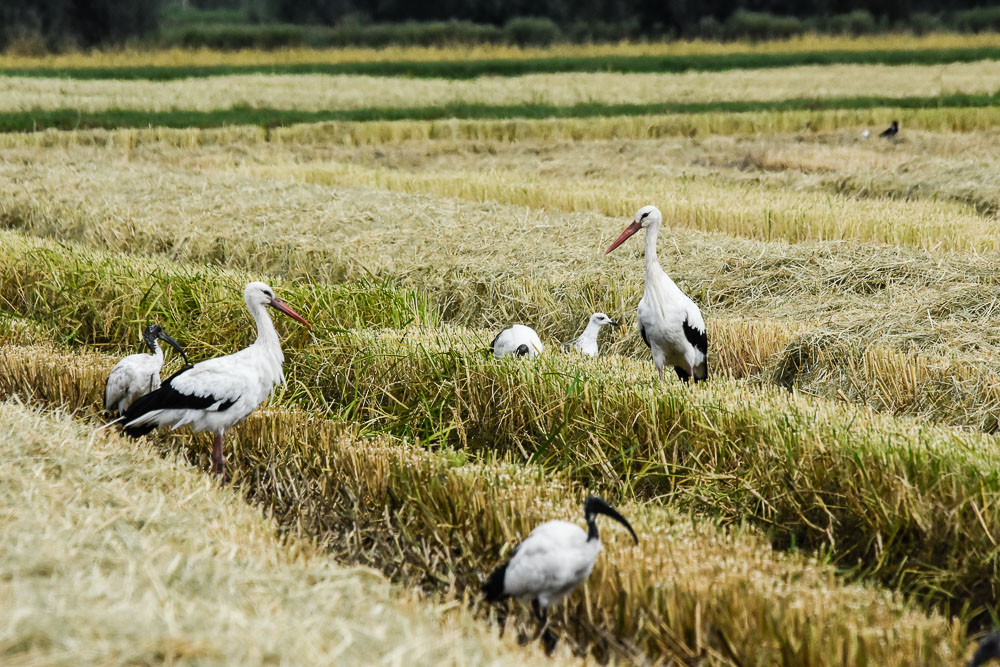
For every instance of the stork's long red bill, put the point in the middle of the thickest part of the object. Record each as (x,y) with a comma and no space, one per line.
(278,304)
(629,231)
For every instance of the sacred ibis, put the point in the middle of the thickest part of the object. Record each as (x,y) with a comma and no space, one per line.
(553,560)
(217,394)
(518,340)
(138,374)
(892,130)
(587,342)
(988,649)
(669,322)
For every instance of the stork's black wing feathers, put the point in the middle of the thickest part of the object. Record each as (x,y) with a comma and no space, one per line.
(493,345)
(167,398)
(697,338)
(642,332)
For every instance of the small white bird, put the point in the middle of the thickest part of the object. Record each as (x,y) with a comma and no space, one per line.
(669,322)
(138,374)
(864,134)
(554,559)
(217,394)
(587,342)
(518,340)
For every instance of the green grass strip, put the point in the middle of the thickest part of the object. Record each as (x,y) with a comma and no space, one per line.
(517,67)
(72,119)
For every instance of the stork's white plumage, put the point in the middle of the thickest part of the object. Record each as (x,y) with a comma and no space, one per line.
(138,374)
(587,342)
(217,394)
(669,322)
(553,560)
(518,340)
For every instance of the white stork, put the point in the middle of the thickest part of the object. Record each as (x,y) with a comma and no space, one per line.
(217,394)
(587,342)
(518,340)
(669,322)
(138,374)
(553,560)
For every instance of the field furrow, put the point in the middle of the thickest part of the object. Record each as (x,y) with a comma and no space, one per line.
(437,519)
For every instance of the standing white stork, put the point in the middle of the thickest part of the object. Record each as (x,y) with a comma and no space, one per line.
(518,340)
(669,322)
(217,394)
(138,374)
(587,342)
(553,560)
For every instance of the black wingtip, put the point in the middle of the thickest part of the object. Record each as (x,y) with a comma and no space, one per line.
(493,587)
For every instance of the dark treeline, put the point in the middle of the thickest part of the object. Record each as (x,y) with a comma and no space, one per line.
(56,25)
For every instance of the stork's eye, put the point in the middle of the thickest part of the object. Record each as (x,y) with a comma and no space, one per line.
(644,215)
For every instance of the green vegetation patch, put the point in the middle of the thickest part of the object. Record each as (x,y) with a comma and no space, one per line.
(518,67)
(71,119)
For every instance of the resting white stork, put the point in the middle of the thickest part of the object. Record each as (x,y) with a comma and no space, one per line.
(138,374)
(217,394)
(553,560)
(518,340)
(587,342)
(669,322)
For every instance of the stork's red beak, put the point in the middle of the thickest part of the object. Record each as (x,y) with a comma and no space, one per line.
(629,231)
(278,304)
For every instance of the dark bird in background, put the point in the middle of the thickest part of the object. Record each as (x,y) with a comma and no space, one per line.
(892,130)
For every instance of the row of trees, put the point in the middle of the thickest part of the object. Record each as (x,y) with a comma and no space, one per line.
(39,25)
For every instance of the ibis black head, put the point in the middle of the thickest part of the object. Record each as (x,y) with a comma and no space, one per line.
(988,649)
(153,331)
(522,350)
(593,506)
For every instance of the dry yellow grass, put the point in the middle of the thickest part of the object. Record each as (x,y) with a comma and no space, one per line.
(112,555)
(202,57)
(316,92)
(689,591)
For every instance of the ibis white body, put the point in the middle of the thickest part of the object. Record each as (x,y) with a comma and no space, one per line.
(586,344)
(669,322)
(518,340)
(138,374)
(553,560)
(134,376)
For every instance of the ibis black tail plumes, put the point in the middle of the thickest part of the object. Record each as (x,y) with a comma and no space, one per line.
(493,588)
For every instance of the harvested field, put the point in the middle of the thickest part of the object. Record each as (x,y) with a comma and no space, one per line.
(829,497)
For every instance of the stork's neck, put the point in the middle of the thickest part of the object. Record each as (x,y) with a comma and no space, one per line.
(652,263)
(267,336)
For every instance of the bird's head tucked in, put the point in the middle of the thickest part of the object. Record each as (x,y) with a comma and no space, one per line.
(644,218)
(600,319)
(261,294)
(154,331)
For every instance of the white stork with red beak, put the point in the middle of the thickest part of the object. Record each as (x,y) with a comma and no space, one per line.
(217,394)
(669,322)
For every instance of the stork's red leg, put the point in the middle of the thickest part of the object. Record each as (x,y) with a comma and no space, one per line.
(218,458)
